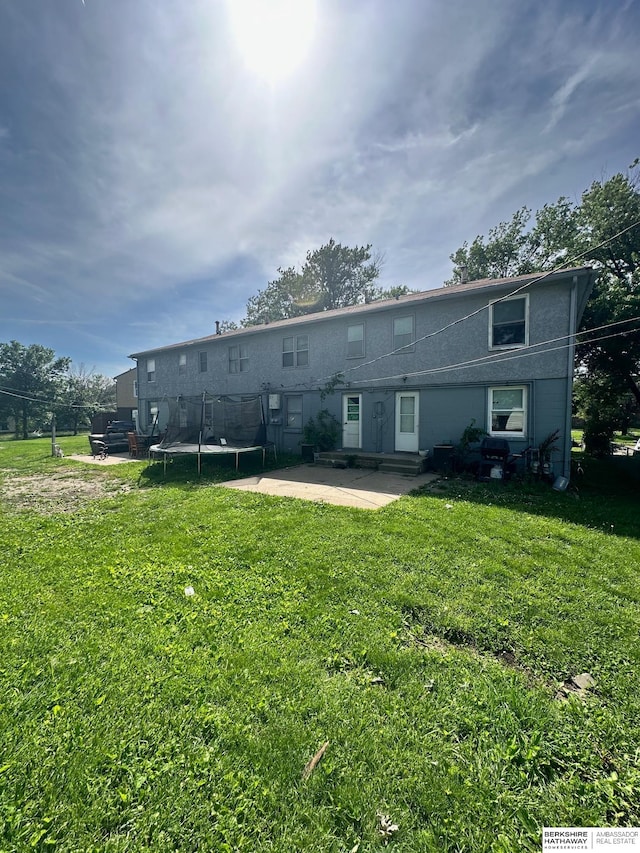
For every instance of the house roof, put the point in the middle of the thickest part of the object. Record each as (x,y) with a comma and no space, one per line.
(124,373)
(440,293)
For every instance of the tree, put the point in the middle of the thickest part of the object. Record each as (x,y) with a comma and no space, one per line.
(602,230)
(333,276)
(84,394)
(31,379)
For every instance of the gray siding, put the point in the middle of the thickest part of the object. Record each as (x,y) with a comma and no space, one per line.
(452,368)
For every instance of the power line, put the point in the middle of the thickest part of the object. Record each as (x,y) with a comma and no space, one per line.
(499,360)
(53,404)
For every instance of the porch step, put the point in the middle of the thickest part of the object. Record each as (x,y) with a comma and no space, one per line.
(396,463)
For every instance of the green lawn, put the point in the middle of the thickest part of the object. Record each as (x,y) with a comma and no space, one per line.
(425,642)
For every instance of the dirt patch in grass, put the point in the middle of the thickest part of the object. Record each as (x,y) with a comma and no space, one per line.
(66,490)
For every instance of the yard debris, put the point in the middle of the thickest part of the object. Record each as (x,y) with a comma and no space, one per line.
(354,612)
(577,685)
(189,591)
(377,680)
(387,827)
(311,765)
(448,506)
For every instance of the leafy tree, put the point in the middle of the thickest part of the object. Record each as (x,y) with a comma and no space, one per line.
(31,378)
(333,276)
(84,394)
(586,233)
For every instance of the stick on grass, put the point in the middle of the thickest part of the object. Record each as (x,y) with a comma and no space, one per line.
(311,765)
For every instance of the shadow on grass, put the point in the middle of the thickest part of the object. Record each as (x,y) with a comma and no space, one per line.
(604,494)
(182,471)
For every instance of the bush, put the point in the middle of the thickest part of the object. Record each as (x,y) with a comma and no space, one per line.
(322,431)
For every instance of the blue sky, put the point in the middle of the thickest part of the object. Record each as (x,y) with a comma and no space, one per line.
(157,166)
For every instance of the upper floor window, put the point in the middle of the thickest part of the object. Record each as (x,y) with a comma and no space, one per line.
(151,370)
(295,351)
(182,363)
(238,359)
(202,361)
(403,336)
(135,387)
(355,341)
(508,411)
(508,322)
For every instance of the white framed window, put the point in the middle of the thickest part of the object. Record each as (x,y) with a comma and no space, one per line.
(508,323)
(238,359)
(202,362)
(293,413)
(508,411)
(182,363)
(135,388)
(403,333)
(355,341)
(152,412)
(151,370)
(295,351)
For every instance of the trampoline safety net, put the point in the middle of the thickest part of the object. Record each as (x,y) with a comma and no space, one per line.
(215,420)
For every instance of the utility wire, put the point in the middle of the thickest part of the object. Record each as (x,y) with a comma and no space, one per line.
(505,357)
(568,263)
(52,404)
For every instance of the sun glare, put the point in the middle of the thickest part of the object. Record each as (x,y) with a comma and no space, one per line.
(273,36)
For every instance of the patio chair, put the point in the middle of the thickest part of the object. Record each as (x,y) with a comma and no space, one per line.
(137,449)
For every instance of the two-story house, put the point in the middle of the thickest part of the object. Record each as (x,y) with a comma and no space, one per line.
(414,371)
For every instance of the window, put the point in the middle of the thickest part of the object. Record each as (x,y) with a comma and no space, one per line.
(151,370)
(238,359)
(403,333)
(152,413)
(294,411)
(182,363)
(355,341)
(508,411)
(295,351)
(202,361)
(135,388)
(508,323)
(183,415)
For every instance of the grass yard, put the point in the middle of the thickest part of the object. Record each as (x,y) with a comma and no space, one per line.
(426,642)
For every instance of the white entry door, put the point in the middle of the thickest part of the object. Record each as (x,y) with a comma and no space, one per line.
(352,420)
(407,421)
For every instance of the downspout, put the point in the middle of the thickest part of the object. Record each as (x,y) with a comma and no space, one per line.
(204,394)
(571,349)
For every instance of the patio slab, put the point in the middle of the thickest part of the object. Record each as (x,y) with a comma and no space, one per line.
(111,459)
(357,487)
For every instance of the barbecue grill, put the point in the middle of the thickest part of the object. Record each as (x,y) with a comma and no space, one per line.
(494,458)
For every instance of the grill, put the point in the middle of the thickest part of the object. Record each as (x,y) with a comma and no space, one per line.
(494,453)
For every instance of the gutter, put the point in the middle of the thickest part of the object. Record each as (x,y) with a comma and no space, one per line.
(571,349)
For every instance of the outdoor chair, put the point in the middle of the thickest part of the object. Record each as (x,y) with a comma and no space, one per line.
(137,448)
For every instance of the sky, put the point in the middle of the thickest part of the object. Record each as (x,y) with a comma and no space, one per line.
(159,161)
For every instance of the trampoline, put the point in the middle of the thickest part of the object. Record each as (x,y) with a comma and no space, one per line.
(210,425)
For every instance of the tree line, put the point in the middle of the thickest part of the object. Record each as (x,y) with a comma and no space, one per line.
(35,384)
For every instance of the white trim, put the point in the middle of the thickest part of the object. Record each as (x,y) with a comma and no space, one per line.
(345,420)
(407,441)
(524,296)
(525,411)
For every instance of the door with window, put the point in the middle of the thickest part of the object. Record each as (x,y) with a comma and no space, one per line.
(352,420)
(407,424)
